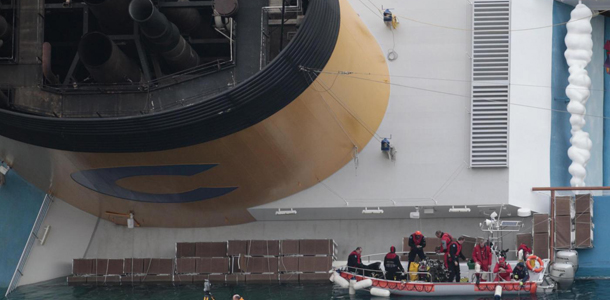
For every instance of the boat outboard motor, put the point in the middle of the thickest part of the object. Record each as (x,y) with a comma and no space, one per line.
(568,257)
(563,274)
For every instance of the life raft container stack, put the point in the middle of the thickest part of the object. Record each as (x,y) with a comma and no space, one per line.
(234,261)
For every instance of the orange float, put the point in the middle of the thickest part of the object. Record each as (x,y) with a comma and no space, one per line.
(531,266)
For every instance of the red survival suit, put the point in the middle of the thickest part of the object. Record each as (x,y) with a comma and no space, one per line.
(446,240)
(355,260)
(452,256)
(526,250)
(482,256)
(503,264)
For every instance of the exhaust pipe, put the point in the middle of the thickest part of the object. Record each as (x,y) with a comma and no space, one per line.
(163,35)
(5,31)
(46,64)
(188,20)
(112,15)
(105,62)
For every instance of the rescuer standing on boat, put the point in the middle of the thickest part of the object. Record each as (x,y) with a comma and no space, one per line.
(526,251)
(392,264)
(446,239)
(452,257)
(482,257)
(417,242)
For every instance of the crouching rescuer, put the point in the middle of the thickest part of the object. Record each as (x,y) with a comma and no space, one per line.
(392,265)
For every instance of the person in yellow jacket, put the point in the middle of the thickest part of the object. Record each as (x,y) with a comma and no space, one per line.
(237,297)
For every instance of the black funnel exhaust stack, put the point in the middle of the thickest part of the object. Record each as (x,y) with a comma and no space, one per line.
(188,20)
(163,35)
(112,15)
(105,62)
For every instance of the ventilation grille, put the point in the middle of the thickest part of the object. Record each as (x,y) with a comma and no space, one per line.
(490,83)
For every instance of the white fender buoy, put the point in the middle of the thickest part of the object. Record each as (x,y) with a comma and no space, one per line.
(380,292)
(352,290)
(342,282)
(363,284)
(498,293)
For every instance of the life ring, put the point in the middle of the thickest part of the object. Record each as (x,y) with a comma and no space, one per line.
(531,266)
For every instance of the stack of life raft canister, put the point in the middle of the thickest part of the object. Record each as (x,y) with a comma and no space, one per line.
(235,261)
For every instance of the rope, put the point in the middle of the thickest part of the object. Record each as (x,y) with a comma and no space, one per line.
(470,30)
(392,55)
(107,266)
(468,97)
(331,111)
(146,275)
(347,73)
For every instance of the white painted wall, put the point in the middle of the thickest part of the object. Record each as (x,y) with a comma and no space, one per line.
(375,236)
(530,98)
(68,238)
(428,120)
(595,105)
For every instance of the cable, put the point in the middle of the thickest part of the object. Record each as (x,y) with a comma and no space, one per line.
(595,14)
(348,73)
(468,97)
(379,15)
(346,107)
(392,55)
(330,92)
(332,112)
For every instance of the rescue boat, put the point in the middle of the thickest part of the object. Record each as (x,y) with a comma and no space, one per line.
(538,284)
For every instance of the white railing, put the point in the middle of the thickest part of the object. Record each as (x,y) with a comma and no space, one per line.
(42,213)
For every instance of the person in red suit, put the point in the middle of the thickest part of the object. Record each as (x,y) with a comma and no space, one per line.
(481,255)
(446,240)
(503,270)
(526,250)
(417,242)
(452,259)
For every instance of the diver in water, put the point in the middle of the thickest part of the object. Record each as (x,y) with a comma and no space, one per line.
(207,291)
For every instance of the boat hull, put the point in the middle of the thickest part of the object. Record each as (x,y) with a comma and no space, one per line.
(435,289)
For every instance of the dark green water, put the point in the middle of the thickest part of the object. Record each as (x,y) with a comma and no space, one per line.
(57,289)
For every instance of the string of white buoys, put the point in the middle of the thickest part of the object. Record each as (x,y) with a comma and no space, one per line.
(353,285)
(578,55)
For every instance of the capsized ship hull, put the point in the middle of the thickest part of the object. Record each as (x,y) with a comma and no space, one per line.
(181,174)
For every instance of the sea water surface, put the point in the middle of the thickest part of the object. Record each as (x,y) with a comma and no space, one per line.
(57,289)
